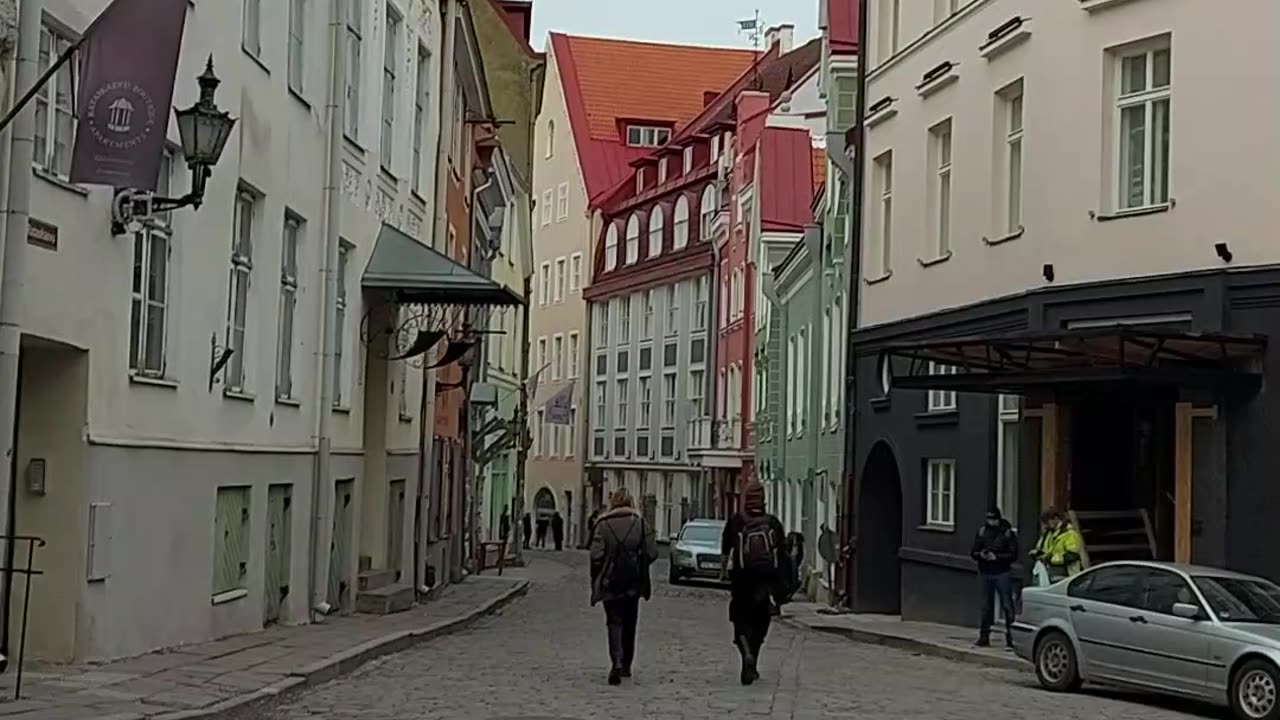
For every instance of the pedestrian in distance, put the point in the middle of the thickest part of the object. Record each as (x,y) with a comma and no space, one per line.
(504,527)
(623,548)
(541,540)
(526,529)
(753,559)
(994,548)
(557,531)
(1060,549)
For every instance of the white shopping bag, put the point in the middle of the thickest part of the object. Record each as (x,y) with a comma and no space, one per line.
(1040,574)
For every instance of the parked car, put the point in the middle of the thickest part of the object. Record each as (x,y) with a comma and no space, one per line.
(1175,629)
(695,551)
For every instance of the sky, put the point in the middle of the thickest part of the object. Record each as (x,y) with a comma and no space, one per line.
(704,22)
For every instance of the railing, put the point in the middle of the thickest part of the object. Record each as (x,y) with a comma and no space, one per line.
(715,434)
(28,572)
(700,433)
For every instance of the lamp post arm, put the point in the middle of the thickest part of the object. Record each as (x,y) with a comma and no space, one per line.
(40,82)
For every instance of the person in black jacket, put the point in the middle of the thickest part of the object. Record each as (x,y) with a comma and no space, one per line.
(754,560)
(994,548)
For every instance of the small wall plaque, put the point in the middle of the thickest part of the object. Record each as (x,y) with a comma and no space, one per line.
(35,476)
(42,234)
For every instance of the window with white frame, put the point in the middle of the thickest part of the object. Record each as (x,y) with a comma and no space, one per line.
(941,496)
(846,105)
(547,198)
(355,44)
(680,224)
(639,180)
(646,402)
(390,61)
(826,365)
(633,239)
(246,209)
(700,288)
(624,390)
(557,357)
(421,98)
(884,215)
(792,388)
(562,201)
(551,139)
(574,352)
(668,399)
(611,247)
(602,405)
(544,439)
(838,319)
(724,301)
(544,283)
(688,159)
(602,325)
(802,384)
(561,279)
(55,106)
(571,433)
(1007,455)
(662,171)
(297,45)
(1011,101)
(251,27)
(710,204)
(149,324)
(697,392)
(624,320)
(722,393)
(541,354)
(575,272)
(288,304)
(673,310)
(340,398)
(940,152)
(647,136)
(942,400)
(646,320)
(656,218)
(715,148)
(1144,90)
(889,28)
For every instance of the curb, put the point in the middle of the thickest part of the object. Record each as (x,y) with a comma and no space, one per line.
(345,662)
(922,647)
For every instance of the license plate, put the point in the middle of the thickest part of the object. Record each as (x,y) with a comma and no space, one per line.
(710,564)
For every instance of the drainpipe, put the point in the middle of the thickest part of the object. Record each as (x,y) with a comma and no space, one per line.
(713,348)
(521,421)
(22,152)
(849,515)
(322,487)
(480,355)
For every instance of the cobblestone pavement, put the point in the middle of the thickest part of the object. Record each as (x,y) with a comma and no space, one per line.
(544,658)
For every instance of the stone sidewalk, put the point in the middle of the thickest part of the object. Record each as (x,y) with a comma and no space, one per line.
(234,674)
(945,641)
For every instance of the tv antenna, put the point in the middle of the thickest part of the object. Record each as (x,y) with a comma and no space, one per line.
(753,28)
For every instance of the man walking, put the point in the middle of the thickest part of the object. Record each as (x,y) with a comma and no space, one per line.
(994,548)
(557,531)
(526,529)
(752,555)
(541,539)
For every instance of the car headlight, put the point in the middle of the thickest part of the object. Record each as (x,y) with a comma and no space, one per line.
(682,556)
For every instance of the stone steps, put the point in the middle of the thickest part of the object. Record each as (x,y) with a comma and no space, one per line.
(385,600)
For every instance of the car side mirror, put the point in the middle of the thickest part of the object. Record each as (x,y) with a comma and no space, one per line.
(674,537)
(1188,611)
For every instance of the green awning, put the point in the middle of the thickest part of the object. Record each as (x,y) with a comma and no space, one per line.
(416,273)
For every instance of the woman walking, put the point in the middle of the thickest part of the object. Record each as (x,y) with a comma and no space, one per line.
(622,549)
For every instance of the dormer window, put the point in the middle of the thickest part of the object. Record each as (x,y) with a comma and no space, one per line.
(639,180)
(647,136)
(715,148)
(688,159)
(662,171)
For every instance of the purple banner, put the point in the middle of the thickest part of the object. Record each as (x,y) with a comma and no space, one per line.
(558,410)
(128,62)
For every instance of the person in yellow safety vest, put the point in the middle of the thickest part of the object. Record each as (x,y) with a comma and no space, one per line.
(1059,546)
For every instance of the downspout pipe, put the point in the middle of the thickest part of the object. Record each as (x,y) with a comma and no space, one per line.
(854,295)
(322,487)
(713,353)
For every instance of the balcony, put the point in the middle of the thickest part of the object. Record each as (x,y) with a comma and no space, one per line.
(718,443)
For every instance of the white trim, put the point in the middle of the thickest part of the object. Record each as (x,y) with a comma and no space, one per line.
(944,80)
(1092,6)
(883,116)
(934,516)
(1129,321)
(1007,42)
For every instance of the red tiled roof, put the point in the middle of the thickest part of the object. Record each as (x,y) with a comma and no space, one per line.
(607,81)
(787,176)
(819,169)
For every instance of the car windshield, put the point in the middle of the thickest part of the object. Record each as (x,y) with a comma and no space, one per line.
(701,534)
(1241,599)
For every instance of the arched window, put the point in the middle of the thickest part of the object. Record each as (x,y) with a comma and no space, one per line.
(633,239)
(680,230)
(709,208)
(611,247)
(551,138)
(656,218)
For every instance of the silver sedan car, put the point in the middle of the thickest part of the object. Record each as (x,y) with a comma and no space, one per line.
(1182,630)
(695,552)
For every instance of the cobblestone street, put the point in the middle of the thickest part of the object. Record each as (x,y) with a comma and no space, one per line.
(544,658)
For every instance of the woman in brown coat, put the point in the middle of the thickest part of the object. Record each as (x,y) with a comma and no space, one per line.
(622,549)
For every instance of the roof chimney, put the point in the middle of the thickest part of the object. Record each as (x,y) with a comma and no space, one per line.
(709,96)
(782,35)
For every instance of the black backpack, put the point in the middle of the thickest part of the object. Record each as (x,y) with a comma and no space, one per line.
(626,567)
(757,547)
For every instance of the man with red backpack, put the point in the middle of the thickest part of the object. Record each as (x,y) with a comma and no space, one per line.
(755,561)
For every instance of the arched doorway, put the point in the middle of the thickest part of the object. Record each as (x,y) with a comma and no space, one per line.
(877,581)
(544,503)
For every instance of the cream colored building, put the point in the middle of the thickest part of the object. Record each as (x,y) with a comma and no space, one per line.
(177,508)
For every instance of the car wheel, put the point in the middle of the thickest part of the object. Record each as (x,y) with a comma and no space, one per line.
(1055,661)
(673,577)
(1254,690)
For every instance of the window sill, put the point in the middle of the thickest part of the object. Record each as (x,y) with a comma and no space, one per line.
(257,60)
(230,596)
(342,409)
(1007,42)
(353,145)
(950,77)
(239,395)
(1135,212)
(934,260)
(152,380)
(938,418)
(417,197)
(937,528)
(879,278)
(297,95)
(53,179)
(882,116)
(880,404)
(289,402)
(405,418)
(385,173)
(1005,238)
(1096,5)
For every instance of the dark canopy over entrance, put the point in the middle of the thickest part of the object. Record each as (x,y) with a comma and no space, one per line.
(415,273)
(1014,363)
